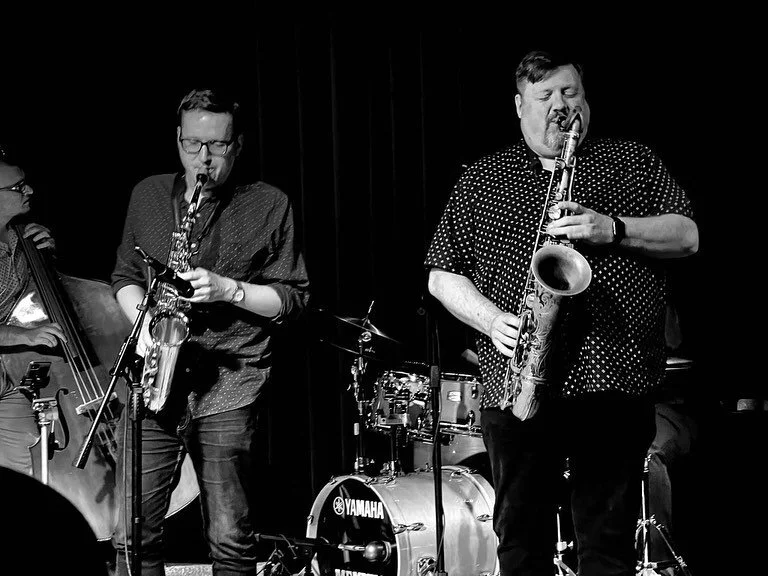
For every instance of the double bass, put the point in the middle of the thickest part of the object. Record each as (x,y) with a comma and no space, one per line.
(95,329)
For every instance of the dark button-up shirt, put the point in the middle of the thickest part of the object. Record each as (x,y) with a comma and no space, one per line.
(614,336)
(245,233)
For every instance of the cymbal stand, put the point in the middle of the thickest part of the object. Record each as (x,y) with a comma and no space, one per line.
(358,371)
(561,546)
(646,567)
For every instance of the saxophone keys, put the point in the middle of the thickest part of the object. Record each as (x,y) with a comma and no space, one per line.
(554,212)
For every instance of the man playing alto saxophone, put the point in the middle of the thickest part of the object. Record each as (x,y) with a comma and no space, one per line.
(248,275)
(626,215)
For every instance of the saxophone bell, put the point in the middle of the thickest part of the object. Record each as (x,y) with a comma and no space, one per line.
(561,270)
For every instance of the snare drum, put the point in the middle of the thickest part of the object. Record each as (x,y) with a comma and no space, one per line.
(400,511)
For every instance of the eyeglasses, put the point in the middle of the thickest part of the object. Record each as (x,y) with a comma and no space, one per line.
(215,147)
(20,187)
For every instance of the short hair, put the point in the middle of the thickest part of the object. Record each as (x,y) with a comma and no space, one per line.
(538,64)
(216,101)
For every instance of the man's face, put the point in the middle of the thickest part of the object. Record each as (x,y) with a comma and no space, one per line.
(14,193)
(542,105)
(217,131)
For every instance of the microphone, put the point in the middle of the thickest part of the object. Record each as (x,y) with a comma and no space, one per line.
(165,274)
(375,551)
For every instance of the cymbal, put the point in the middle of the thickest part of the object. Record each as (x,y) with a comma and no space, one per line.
(364,325)
(367,353)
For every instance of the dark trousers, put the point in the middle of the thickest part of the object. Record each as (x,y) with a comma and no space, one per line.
(602,443)
(676,434)
(222,449)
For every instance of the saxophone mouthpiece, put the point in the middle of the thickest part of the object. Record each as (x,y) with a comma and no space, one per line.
(568,121)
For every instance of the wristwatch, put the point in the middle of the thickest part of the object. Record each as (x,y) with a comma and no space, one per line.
(238,294)
(619,231)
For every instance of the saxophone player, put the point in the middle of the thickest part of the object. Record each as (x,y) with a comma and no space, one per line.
(628,217)
(248,275)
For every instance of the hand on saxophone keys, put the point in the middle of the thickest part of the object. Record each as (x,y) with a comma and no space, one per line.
(503,332)
(209,286)
(582,224)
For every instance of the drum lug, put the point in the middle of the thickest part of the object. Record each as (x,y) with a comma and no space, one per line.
(415,527)
(426,566)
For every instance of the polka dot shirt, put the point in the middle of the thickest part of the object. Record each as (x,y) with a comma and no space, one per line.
(612,336)
(246,234)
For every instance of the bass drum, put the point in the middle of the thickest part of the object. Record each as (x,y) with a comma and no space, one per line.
(358,509)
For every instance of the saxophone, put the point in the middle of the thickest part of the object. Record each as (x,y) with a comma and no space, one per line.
(169,327)
(557,270)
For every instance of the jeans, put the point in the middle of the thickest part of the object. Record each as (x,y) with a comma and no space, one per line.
(18,429)
(601,442)
(222,449)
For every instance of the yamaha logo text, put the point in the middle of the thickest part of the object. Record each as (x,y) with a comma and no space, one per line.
(358,507)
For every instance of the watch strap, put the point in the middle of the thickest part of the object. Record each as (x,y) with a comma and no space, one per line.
(619,230)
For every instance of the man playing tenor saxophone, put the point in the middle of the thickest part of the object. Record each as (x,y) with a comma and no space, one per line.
(625,214)
(234,243)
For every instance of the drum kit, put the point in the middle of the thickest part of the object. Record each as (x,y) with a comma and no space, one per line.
(383,518)
(388,504)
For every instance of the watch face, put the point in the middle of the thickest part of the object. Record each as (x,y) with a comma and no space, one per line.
(238,294)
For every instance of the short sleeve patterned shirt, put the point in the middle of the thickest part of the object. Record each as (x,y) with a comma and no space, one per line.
(613,339)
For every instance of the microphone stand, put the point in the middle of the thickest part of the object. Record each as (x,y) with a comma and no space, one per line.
(122,367)
(434,384)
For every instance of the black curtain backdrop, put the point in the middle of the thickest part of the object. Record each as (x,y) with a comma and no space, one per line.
(366,121)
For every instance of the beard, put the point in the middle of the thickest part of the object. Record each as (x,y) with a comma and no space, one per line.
(553,137)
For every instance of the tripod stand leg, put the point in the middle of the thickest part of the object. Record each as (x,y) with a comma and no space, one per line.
(661,529)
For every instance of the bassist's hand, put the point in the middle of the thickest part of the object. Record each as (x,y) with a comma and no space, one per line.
(44,335)
(40,235)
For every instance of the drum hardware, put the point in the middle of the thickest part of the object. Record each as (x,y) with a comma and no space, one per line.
(364,339)
(560,548)
(400,512)
(394,467)
(360,338)
(374,551)
(400,528)
(646,567)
